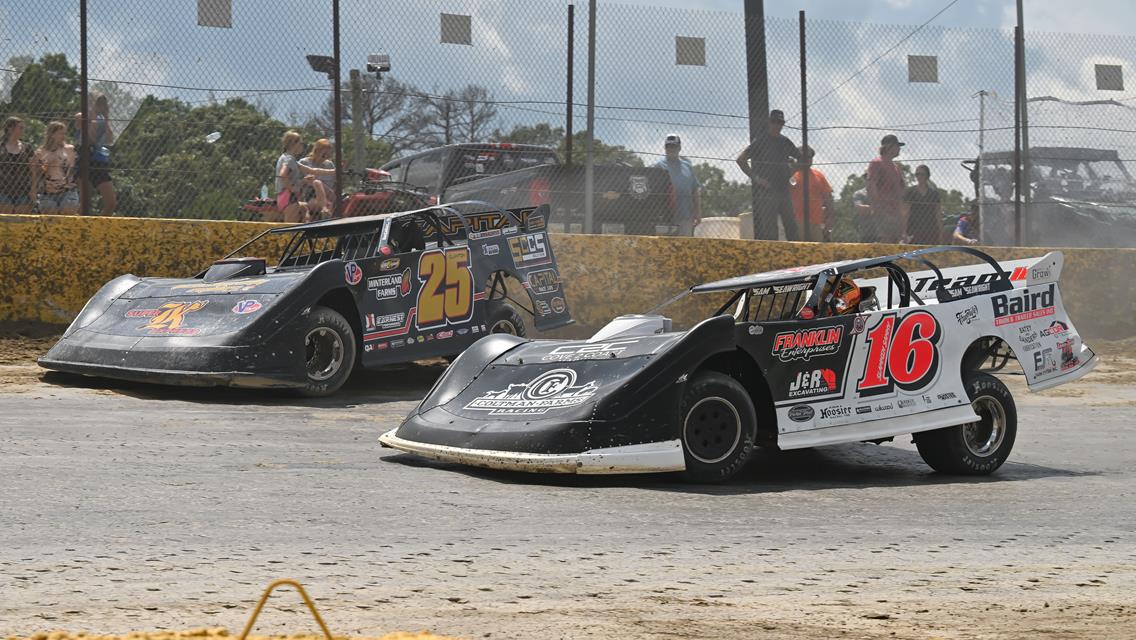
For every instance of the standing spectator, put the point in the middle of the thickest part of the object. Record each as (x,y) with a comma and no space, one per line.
(16,193)
(100,136)
(924,213)
(766,161)
(885,195)
(967,230)
(53,169)
(686,190)
(318,193)
(822,210)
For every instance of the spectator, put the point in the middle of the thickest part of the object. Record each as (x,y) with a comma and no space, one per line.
(766,161)
(318,193)
(822,210)
(53,169)
(968,229)
(100,136)
(924,213)
(885,195)
(16,193)
(291,177)
(686,190)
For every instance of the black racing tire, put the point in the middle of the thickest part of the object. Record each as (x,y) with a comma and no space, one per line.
(501,317)
(977,448)
(329,352)
(718,427)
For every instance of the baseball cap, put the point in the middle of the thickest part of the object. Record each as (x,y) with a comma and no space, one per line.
(777,115)
(673,140)
(890,139)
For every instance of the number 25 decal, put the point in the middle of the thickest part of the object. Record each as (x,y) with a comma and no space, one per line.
(447,295)
(902,353)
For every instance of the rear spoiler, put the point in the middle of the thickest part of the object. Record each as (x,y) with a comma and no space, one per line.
(1026,272)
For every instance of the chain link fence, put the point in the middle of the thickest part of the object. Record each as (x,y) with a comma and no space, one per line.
(488,100)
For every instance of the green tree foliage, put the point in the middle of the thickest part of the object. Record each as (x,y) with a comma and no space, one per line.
(721,197)
(546,135)
(46,90)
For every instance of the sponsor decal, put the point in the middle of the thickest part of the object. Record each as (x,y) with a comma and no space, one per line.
(375,346)
(828,413)
(490,249)
(556,389)
(807,343)
(421,339)
(1056,328)
(639,187)
(1068,358)
(429,337)
(481,235)
(167,319)
(247,306)
(1021,306)
(781,288)
(397,344)
(389,321)
(529,250)
(927,400)
(388,287)
(947,396)
(801,413)
(859,324)
(1033,346)
(558,305)
(475,329)
(463,331)
(884,407)
(755,330)
(231,286)
(1040,273)
(968,315)
(444,335)
(542,309)
(970,283)
(588,351)
(389,264)
(544,281)
(906,403)
(813,383)
(861,410)
(1043,362)
(352,274)
(1027,335)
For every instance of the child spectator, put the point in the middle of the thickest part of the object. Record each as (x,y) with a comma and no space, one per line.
(53,169)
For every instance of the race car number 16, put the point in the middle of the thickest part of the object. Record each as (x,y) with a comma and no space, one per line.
(447,295)
(904,356)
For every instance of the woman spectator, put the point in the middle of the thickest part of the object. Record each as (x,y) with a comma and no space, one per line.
(16,193)
(318,194)
(53,172)
(291,178)
(924,215)
(100,136)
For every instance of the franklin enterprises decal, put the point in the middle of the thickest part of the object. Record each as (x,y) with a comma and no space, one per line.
(556,389)
(807,343)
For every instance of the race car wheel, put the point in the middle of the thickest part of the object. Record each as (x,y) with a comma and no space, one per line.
(501,317)
(719,427)
(979,447)
(329,352)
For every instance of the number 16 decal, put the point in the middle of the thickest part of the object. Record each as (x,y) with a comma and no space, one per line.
(902,353)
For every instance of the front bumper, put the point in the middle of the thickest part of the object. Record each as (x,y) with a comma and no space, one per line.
(651,457)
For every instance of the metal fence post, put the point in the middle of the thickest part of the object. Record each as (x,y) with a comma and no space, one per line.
(1027,196)
(84,130)
(571,81)
(757,84)
(338,111)
(807,169)
(589,160)
(359,165)
(1017,136)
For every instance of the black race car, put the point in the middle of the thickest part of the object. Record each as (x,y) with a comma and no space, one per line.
(372,291)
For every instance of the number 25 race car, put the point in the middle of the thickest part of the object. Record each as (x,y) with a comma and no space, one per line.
(372,290)
(850,351)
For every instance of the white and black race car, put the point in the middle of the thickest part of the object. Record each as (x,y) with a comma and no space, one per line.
(780,365)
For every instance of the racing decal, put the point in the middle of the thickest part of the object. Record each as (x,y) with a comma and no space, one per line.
(1022,305)
(556,389)
(969,283)
(1043,362)
(804,344)
(814,382)
(902,353)
(168,318)
(967,315)
(490,249)
(1068,358)
(639,187)
(1056,328)
(232,286)
(828,413)
(390,286)
(389,264)
(247,306)
(801,413)
(542,308)
(558,305)
(543,281)
(375,322)
(398,330)
(444,335)
(352,274)
(483,225)
(529,250)
(481,235)
(781,288)
(588,351)
(446,296)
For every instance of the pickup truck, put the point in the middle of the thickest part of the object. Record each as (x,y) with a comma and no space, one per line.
(633,200)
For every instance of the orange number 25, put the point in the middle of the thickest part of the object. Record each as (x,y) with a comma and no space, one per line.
(447,295)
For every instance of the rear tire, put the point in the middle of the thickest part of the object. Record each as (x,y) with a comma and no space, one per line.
(329,352)
(718,427)
(977,448)
(501,317)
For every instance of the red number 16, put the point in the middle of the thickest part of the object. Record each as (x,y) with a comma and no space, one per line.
(904,356)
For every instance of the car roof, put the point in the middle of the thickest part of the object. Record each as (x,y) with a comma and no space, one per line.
(1054,153)
(479,146)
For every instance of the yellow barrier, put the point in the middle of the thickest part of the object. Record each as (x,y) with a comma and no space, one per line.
(303,594)
(51,265)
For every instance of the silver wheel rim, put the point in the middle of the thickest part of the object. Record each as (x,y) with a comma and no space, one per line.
(692,446)
(985,436)
(503,326)
(323,350)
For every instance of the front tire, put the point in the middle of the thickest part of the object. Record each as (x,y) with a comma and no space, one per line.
(980,447)
(501,317)
(718,427)
(329,352)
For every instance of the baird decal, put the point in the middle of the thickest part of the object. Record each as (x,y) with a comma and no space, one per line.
(1023,305)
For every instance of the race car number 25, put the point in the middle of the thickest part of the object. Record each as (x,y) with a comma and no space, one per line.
(447,293)
(902,353)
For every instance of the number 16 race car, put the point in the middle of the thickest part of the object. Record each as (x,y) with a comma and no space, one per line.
(851,351)
(371,290)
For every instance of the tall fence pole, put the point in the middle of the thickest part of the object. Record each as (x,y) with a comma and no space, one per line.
(757,85)
(359,166)
(589,160)
(1017,136)
(84,129)
(981,186)
(1026,164)
(571,81)
(806,168)
(338,108)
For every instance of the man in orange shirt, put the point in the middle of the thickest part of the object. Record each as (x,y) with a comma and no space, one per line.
(822,210)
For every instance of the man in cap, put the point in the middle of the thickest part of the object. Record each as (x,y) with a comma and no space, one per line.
(766,161)
(686,192)
(886,221)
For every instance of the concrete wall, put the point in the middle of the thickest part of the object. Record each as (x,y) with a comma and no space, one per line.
(51,265)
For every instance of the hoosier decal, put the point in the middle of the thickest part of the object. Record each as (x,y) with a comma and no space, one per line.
(554,389)
(807,343)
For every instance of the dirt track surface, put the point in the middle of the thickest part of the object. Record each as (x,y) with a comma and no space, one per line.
(132,507)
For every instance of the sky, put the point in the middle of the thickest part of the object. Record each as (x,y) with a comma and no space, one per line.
(857,90)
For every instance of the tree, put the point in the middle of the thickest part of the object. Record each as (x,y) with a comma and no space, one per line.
(719,195)
(48,90)
(386,110)
(465,115)
(546,135)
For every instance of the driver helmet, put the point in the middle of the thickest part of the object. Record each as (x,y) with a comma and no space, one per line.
(846,297)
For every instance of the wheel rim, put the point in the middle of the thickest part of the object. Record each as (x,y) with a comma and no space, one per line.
(985,436)
(323,350)
(503,326)
(712,430)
